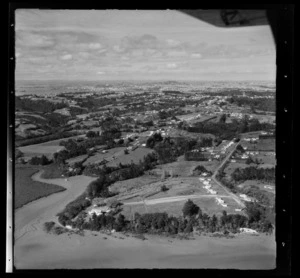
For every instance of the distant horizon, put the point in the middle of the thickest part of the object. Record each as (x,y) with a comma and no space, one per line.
(138,45)
(141,80)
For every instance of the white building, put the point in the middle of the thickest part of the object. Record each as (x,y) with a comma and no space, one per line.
(99,210)
(248,231)
(245,197)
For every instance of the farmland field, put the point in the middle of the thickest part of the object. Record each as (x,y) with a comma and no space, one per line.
(46,148)
(27,190)
(40,149)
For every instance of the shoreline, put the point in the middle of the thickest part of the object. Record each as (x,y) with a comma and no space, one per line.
(35,249)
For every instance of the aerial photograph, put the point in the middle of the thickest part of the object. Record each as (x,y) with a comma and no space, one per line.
(144,139)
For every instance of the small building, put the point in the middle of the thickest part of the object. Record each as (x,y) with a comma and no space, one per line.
(248,231)
(99,210)
(245,197)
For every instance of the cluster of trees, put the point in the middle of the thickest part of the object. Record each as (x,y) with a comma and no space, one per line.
(74,148)
(92,134)
(41,105)
(195,156)
(46,138)
(42,160)
(264,104)
(163,114)
(153,139)
(92,103)
(250,160)
(201,169)
(73,209)
(18,154)
(253,173)
(259,217)
(110,175)
(227,131)
(169,149)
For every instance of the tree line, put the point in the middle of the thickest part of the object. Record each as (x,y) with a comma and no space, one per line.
(192,219)
(253,173)
(227,131)
(41,105)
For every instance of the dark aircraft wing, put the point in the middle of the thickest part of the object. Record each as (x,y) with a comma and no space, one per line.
(232,18)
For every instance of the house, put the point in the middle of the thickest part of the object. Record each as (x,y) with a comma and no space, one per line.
(245,197)
(221,202)
(99,210)
(248,231)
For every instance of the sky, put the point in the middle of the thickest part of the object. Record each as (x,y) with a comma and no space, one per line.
(138,45)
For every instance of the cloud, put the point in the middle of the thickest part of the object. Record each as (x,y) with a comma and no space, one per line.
(27,39)
(66,57)
(172,66)
(171,42)
(95,46)
(196,55)
(176,53)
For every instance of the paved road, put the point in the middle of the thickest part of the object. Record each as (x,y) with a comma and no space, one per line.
(213,177)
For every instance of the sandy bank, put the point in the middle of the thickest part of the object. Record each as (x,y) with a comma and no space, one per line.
(46,208)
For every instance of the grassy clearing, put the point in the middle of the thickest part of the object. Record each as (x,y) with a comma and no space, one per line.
(133,156)
(27,190)
(132,185)
(184,168)
(234,165)
(40,149)
(207,205)
(266,145)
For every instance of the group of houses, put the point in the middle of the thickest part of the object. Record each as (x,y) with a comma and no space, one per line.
(207,185)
